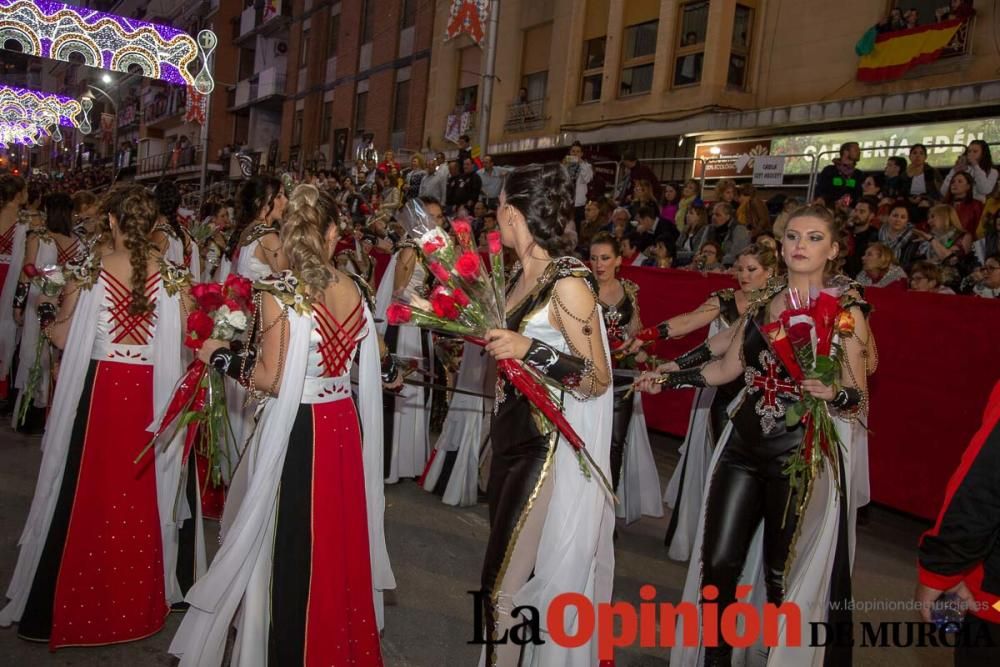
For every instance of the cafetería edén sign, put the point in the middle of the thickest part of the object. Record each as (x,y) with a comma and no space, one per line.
(721,158)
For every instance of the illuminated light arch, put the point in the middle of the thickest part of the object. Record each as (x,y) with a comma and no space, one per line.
(56,30)
(11,31)
(35,107)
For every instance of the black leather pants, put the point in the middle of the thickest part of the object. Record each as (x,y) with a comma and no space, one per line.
(515,472)
(619,430)
(748,487)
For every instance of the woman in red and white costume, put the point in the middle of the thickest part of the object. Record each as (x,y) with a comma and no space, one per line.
(97,557)
(303,562)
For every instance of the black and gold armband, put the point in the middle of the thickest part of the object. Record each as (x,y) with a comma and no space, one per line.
(564,368)
(691,377)
(695,358)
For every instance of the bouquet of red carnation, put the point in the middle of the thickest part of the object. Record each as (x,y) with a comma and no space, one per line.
(806,340)
(467,301)
(224,312)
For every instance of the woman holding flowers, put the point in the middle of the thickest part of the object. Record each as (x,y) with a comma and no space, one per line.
(790,467)
(304,560)
(97,554)
(551,514)
(13,195)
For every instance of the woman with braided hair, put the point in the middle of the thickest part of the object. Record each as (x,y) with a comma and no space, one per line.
(98,552)
(304,557)
(758,521)
(551,510)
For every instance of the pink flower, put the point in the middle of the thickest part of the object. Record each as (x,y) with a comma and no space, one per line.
(494,240)
(439,272)
(467,265)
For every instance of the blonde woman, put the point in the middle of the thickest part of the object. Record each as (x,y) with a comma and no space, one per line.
(880,268)
(304,558)
(947,241)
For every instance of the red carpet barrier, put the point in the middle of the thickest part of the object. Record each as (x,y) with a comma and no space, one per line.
(938,360)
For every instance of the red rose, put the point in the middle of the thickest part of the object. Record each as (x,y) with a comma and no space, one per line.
(208,295)
(236,306)
(432,246)
(467,265)
(444,305)
(461,227)
(494,241)
(238,287)
(440,272)
(30,270)
(398,314)
(200,327)
(461,298)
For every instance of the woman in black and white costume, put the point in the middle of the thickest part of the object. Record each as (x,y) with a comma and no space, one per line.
(453,471)
(550,523)
(756,269)
(407,434)
(748,533)
(633,469)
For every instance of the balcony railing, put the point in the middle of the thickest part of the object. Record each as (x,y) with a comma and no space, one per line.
(171,162)
(266,84)
(259,19)
(961,43)
(525,116)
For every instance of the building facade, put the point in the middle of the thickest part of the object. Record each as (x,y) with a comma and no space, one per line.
(332,73)
(660,76)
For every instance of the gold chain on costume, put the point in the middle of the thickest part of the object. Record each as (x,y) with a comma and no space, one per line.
(589,368)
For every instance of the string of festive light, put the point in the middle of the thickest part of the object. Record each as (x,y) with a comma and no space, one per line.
(21,132)
(33,106)
(58,31)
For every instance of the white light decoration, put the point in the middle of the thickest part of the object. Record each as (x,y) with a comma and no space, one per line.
(58,31)
(20,105)
(23,133)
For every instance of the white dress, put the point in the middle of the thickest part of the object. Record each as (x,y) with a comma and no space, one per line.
(411,414)
(465,427)
(31,330)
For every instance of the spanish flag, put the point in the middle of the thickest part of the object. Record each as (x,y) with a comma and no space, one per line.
(895,53)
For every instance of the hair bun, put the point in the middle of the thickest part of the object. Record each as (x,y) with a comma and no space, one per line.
(543,193)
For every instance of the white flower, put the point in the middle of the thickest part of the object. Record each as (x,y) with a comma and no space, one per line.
(237,320)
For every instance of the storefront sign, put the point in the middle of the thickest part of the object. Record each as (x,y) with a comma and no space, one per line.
(719,160)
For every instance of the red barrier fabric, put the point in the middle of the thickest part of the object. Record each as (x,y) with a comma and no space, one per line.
(937,363)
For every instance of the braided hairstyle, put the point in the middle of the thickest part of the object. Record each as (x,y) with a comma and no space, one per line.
(255,194)
(303,237)
(543,193)
(135,213)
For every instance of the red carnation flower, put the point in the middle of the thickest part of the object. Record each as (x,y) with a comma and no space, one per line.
(200,327)
(440,272)
(467,265)
(30,270)
(238,287)
(461,298)
(494,240)
(461,227)
(444,305)
(397,313)
(208,295)
(432,246)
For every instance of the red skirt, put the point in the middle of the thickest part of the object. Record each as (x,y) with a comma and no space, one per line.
(322,612)
(100,577)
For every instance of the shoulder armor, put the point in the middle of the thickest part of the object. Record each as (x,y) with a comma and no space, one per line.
(176,277)
(727,294)
(84,270)
(165,228)
(287,289)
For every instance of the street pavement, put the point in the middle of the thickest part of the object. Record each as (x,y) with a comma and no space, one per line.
(436,552)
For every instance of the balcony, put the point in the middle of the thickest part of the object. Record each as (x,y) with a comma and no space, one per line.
(164,112)
(267,88)
(525,116)
(254,21)
(173,163)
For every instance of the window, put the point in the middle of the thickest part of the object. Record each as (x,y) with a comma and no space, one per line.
(360,111)
(739,55)
(638,53)
(304,49)
(297,128)
(401,106)
(693,26)
(466,98)
(535,61)
(367,21)
(409,14)
(332,35)
(536,85)
(593,69)
(469,68)
(324,130)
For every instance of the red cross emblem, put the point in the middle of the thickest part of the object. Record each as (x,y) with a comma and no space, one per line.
(769,384)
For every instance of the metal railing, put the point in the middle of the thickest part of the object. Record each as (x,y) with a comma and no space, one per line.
(525,116)
(174,161)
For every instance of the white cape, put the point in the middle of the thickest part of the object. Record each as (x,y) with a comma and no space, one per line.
(8,328)
(639,486)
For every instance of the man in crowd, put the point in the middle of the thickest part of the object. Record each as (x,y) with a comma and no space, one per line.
(634,171)
(491,177)
(897,184)
(467,187)
(840,182)
(464,149)
(631,244)
(652,229)
(581,174)
(863,233)
(435,184)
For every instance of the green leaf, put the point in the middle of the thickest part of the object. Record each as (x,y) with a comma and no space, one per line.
(794,414)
